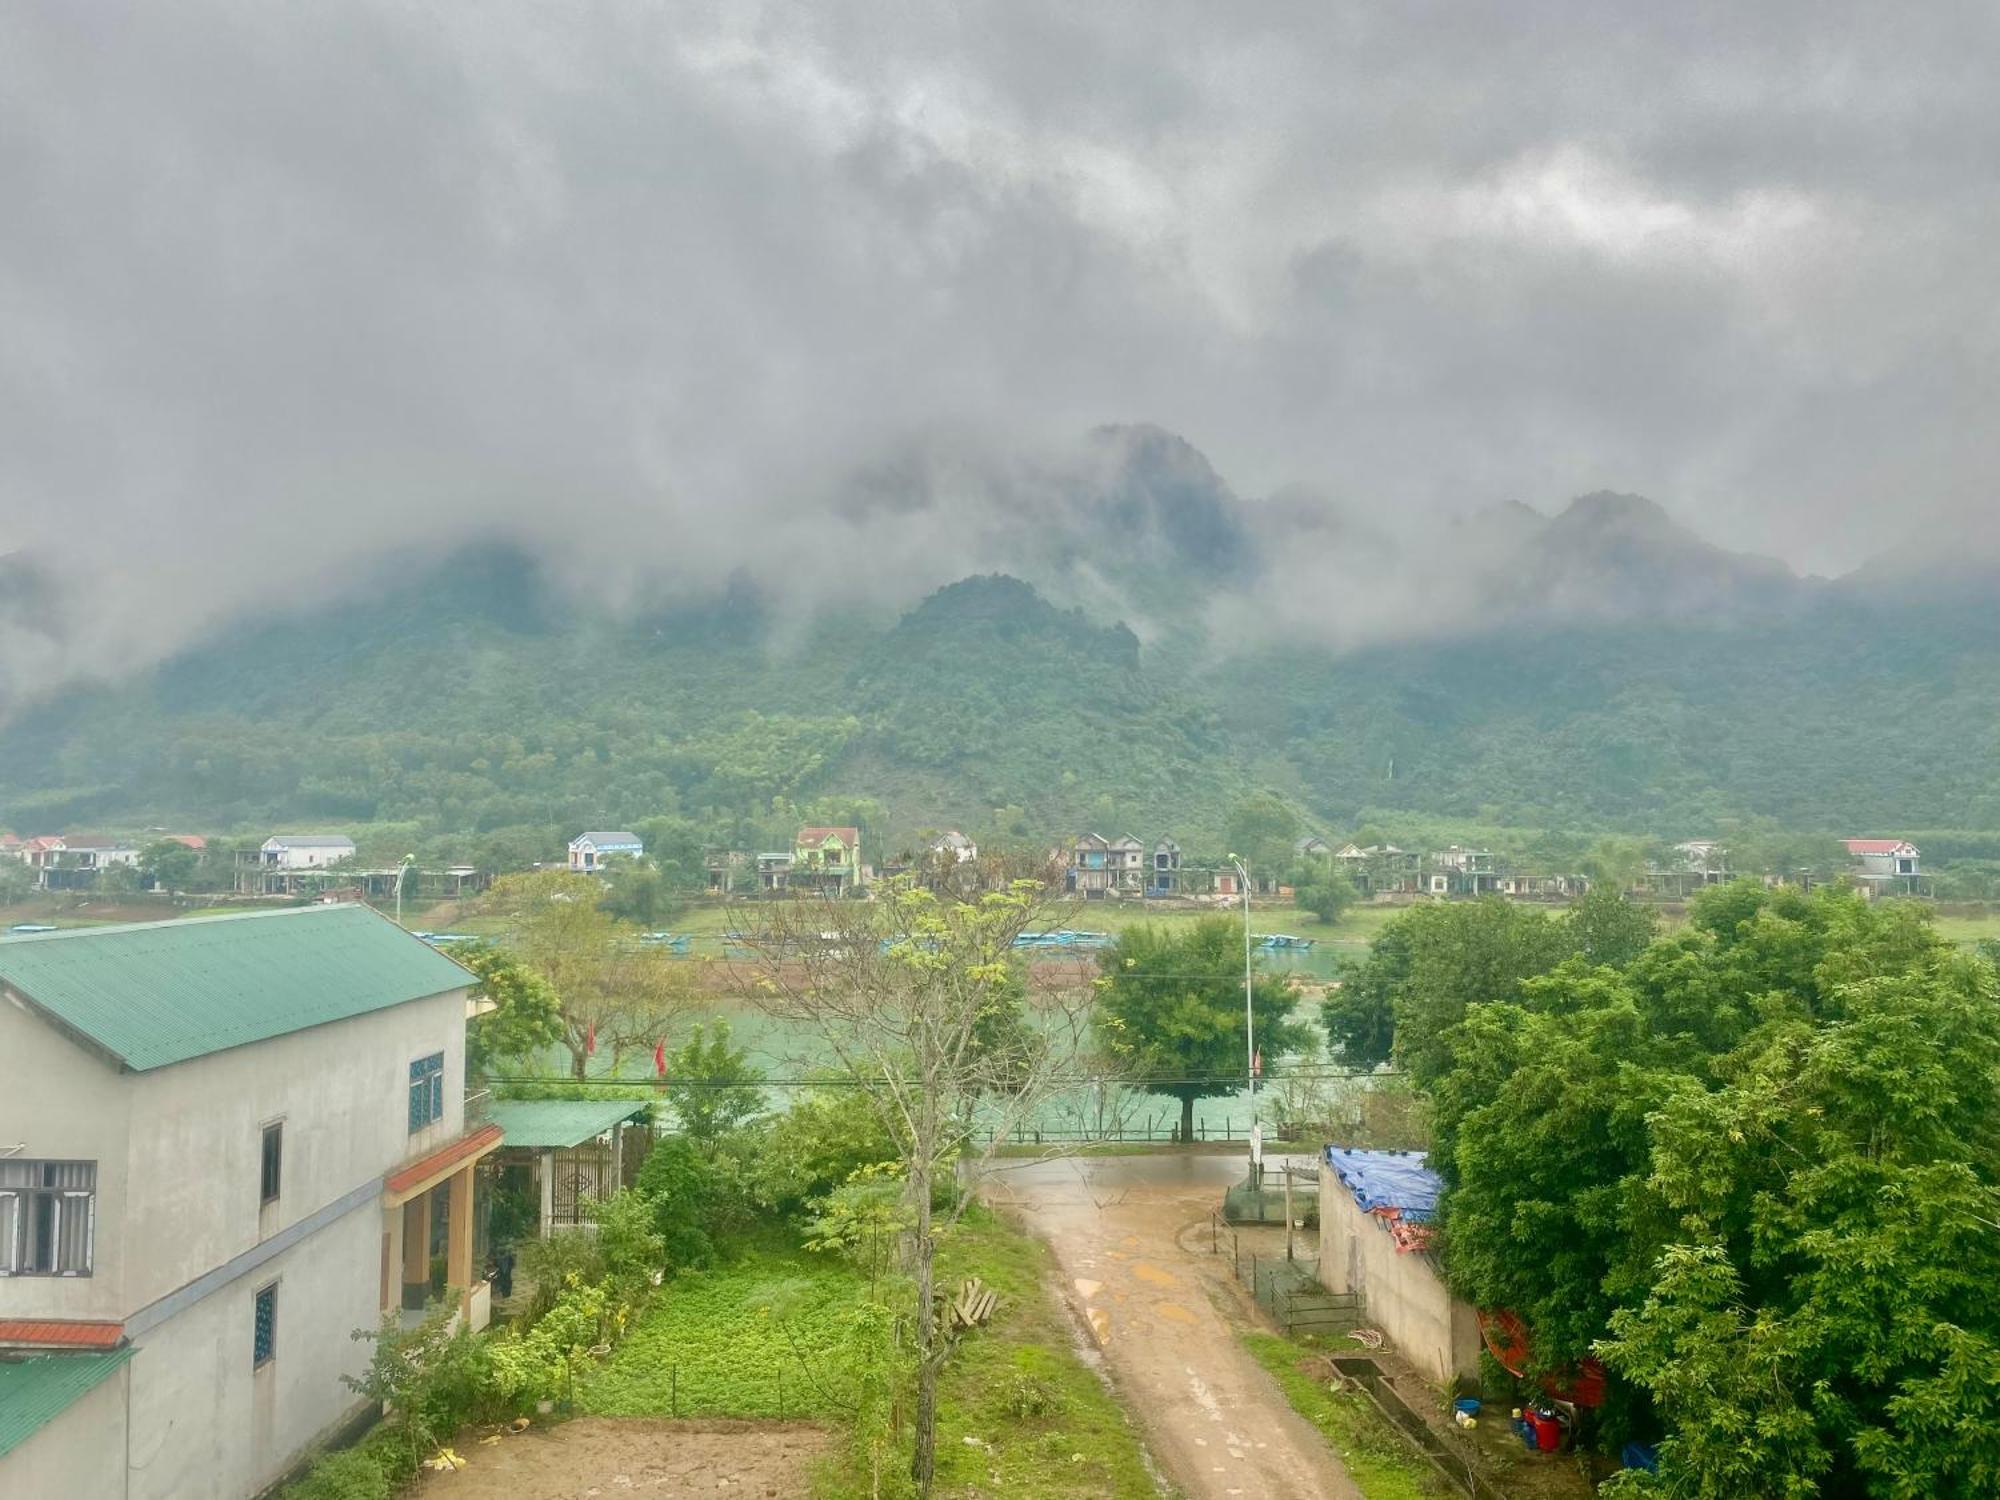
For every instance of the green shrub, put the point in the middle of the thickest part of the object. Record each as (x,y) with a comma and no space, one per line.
(632,1249)
(353,1474)
(551,1263)
(683,1186)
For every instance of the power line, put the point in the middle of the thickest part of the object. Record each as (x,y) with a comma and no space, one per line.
(1077,1080)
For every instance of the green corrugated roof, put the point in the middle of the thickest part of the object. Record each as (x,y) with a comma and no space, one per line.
(34,1392)
(545,1123)
(154,993)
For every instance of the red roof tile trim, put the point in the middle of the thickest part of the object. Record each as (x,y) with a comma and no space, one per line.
(465,1148)
(49,1333)
(1874,846)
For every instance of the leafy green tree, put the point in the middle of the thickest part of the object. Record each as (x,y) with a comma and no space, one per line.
(616,997)
(1606,927)
(636,892)
(169,865)
(1360,1012)
(1462,954)
(1326,894)
(1836,1200)
(117,880)
(684,1185)
(15,882)
(1261,832)
(713,1086)
(1171,1008)
(526,1019)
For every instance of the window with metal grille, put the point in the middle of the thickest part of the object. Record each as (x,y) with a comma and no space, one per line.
(264,1338)
(48,1213)
(426,1091)
(274,1162)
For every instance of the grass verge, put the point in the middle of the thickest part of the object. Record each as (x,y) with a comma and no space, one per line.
(1377,1460)
(1043,1425)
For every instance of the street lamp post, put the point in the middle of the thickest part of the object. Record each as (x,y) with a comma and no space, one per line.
(1249,1024)
(402,874)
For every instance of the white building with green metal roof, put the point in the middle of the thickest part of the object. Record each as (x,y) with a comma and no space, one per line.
(226,1143)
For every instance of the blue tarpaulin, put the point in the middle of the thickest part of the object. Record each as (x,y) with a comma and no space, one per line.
(1387,1179)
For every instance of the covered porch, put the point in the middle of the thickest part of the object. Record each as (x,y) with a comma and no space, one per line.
(432,1225)
(559,1155)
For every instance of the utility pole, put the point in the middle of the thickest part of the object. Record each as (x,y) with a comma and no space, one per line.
(1249,1030)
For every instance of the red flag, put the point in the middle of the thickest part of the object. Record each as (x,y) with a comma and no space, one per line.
(1257,1063)
(590,1041)
(660,1058)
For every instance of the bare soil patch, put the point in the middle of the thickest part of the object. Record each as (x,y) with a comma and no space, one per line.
(608,1456)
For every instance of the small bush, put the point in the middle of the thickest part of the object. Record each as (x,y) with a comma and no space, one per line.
(1031,1396)
(361,1473)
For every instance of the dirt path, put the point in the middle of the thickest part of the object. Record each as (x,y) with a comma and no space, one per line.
(1166,1319)
(607,1456)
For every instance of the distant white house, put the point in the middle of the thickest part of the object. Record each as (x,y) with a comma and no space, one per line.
(955,844)
(1885,864)
(588,851)
(304,851)
(225,1144)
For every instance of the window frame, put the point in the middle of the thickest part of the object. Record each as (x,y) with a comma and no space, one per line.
(25,1202)
(269,1335)
(427,1076)
(270,1162)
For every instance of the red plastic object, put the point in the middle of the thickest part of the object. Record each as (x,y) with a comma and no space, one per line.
(1548,1431)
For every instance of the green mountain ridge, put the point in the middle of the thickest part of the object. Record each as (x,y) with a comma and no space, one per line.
(476,704)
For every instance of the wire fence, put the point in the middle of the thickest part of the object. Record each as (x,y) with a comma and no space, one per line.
(1286,1286)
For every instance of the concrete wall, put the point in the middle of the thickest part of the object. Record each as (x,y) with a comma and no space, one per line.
(78,1456)
(1402,1291)
(204,1422)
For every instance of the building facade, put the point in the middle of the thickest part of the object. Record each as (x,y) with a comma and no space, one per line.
(230,1143)
(589,851)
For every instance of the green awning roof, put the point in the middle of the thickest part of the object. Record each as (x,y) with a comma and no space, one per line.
(154,993)
(543,1124)
(34,1392)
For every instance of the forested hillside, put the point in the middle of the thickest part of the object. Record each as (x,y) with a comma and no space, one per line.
(473,708)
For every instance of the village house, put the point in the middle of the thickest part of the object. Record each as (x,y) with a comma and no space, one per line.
(723,868)
(955,846)
(1885,866)
(588,852)
(1163,875)
(73,861)
(826,860)
(1461,872)
(225,1144)
(1380,869)
(304,851)
(1543,887)
(1101,867)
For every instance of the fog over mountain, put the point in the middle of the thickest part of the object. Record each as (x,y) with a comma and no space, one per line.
(854,301)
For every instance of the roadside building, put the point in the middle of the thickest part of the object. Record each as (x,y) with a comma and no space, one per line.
(1163,875)
(1375,1224)
(231,1141)
(723,868)
(589,851)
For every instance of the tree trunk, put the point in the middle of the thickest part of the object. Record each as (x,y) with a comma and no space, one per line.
(923,1457)
(1187,1118)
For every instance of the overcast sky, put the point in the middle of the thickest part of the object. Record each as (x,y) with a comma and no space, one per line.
(282,286)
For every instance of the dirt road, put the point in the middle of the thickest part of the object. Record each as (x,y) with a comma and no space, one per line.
(1166,1317)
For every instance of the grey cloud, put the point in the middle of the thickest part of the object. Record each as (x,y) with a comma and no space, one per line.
(662,291)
